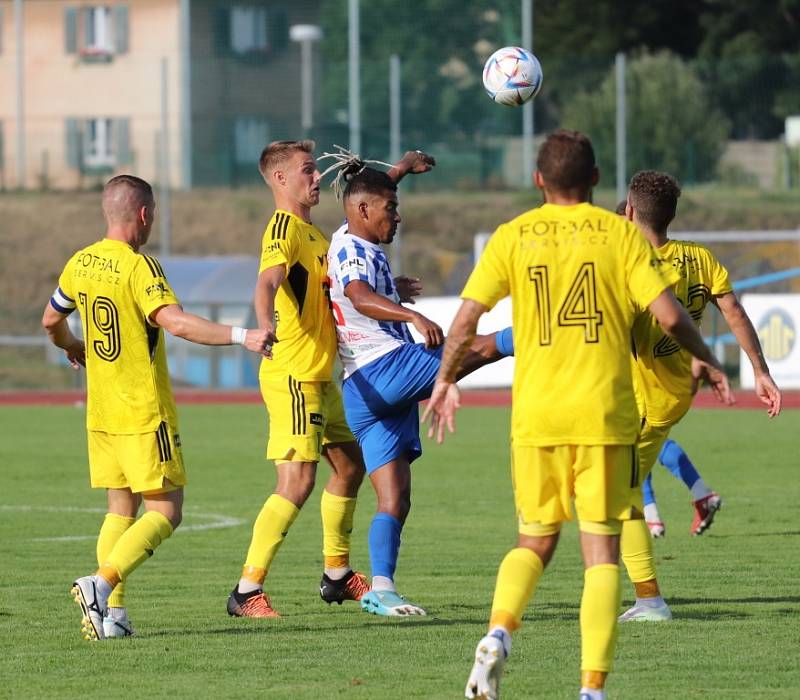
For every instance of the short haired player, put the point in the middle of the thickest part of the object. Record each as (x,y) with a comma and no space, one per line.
(124,300)
(306,417)
(572,271)
(664,383)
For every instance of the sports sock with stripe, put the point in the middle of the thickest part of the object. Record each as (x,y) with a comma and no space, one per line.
(337,525)
(113,527)
(636,547)
(136,545)
(269,530)
(599,609)
(517,577)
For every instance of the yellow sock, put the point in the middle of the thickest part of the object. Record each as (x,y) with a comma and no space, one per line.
(636,546)
(516,581)
(271,526)
(113,527)
(135,546)
(337,524)
(599,610)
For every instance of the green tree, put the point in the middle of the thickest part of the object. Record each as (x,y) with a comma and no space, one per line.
(671,125)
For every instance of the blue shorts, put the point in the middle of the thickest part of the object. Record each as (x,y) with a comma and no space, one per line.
(380,403)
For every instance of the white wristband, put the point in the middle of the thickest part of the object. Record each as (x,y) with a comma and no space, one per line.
(238,335)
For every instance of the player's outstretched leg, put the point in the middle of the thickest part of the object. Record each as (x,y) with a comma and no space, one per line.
(651,515)
(705,501)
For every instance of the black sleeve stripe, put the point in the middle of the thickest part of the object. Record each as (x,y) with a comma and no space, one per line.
(158,267)
(284,227)
(276,222)
(150,265)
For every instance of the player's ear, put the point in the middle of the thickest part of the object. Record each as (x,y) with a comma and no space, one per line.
(538,180)
(628,210)
(279,177)
(363,210)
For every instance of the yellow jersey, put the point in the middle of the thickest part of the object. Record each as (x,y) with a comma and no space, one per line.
(306,346)
(663,376)
(575,275)
(115,289)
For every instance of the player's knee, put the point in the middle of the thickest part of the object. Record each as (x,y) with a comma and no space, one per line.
(396,504)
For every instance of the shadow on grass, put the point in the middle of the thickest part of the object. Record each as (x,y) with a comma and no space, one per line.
(723,601)
(785,533)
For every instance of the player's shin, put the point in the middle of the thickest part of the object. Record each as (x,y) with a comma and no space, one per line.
(270,529)
(113,527)
(517,578)
(337,526)
(135,546)
(598,619)
(384,548)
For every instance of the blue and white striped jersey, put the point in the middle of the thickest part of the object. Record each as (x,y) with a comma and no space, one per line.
(361,339)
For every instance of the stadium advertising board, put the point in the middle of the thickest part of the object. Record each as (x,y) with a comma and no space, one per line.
(776,318)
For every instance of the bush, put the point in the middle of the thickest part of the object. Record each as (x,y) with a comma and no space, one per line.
(671,124)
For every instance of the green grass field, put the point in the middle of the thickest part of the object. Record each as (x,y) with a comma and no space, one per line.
(734,591)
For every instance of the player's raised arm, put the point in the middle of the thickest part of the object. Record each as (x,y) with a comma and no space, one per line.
(173,319)
(445,398)
(677,323)
(742,328)
(412,163)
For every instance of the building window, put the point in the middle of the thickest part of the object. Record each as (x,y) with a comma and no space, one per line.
(250,135)
(251,31)
(249,27)
(98,142)
(96,32)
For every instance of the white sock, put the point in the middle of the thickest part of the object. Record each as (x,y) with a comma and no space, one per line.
(504,635)
(119,614)
(104,589)
(656,602)
(383,583)
(651,514)
(337,572)
(247,586)
(700,490)
(592,694)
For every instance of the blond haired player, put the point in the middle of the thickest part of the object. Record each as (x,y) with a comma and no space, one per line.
(573,271)
(305,409)
(664,384)
(124,301)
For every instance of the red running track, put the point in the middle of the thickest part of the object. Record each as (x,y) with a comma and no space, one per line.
(482,398)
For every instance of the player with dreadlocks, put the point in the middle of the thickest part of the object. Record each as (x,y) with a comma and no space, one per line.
(386,372)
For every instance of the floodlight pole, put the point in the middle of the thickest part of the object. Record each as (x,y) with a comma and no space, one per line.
(354,76)
(165,205)
(306,35)
(622,184)
(527,108)
(395,97)
(19,24)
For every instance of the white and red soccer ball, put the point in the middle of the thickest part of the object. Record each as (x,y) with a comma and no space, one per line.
(512,76)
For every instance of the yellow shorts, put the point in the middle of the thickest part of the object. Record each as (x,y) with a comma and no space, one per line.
(602,480)
(303,417)
(139,462)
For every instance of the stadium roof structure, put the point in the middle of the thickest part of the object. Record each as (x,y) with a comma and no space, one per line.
(219,279)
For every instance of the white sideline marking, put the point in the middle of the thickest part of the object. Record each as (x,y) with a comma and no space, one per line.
(218,521)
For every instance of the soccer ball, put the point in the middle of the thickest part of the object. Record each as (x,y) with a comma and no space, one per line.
(512,76)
